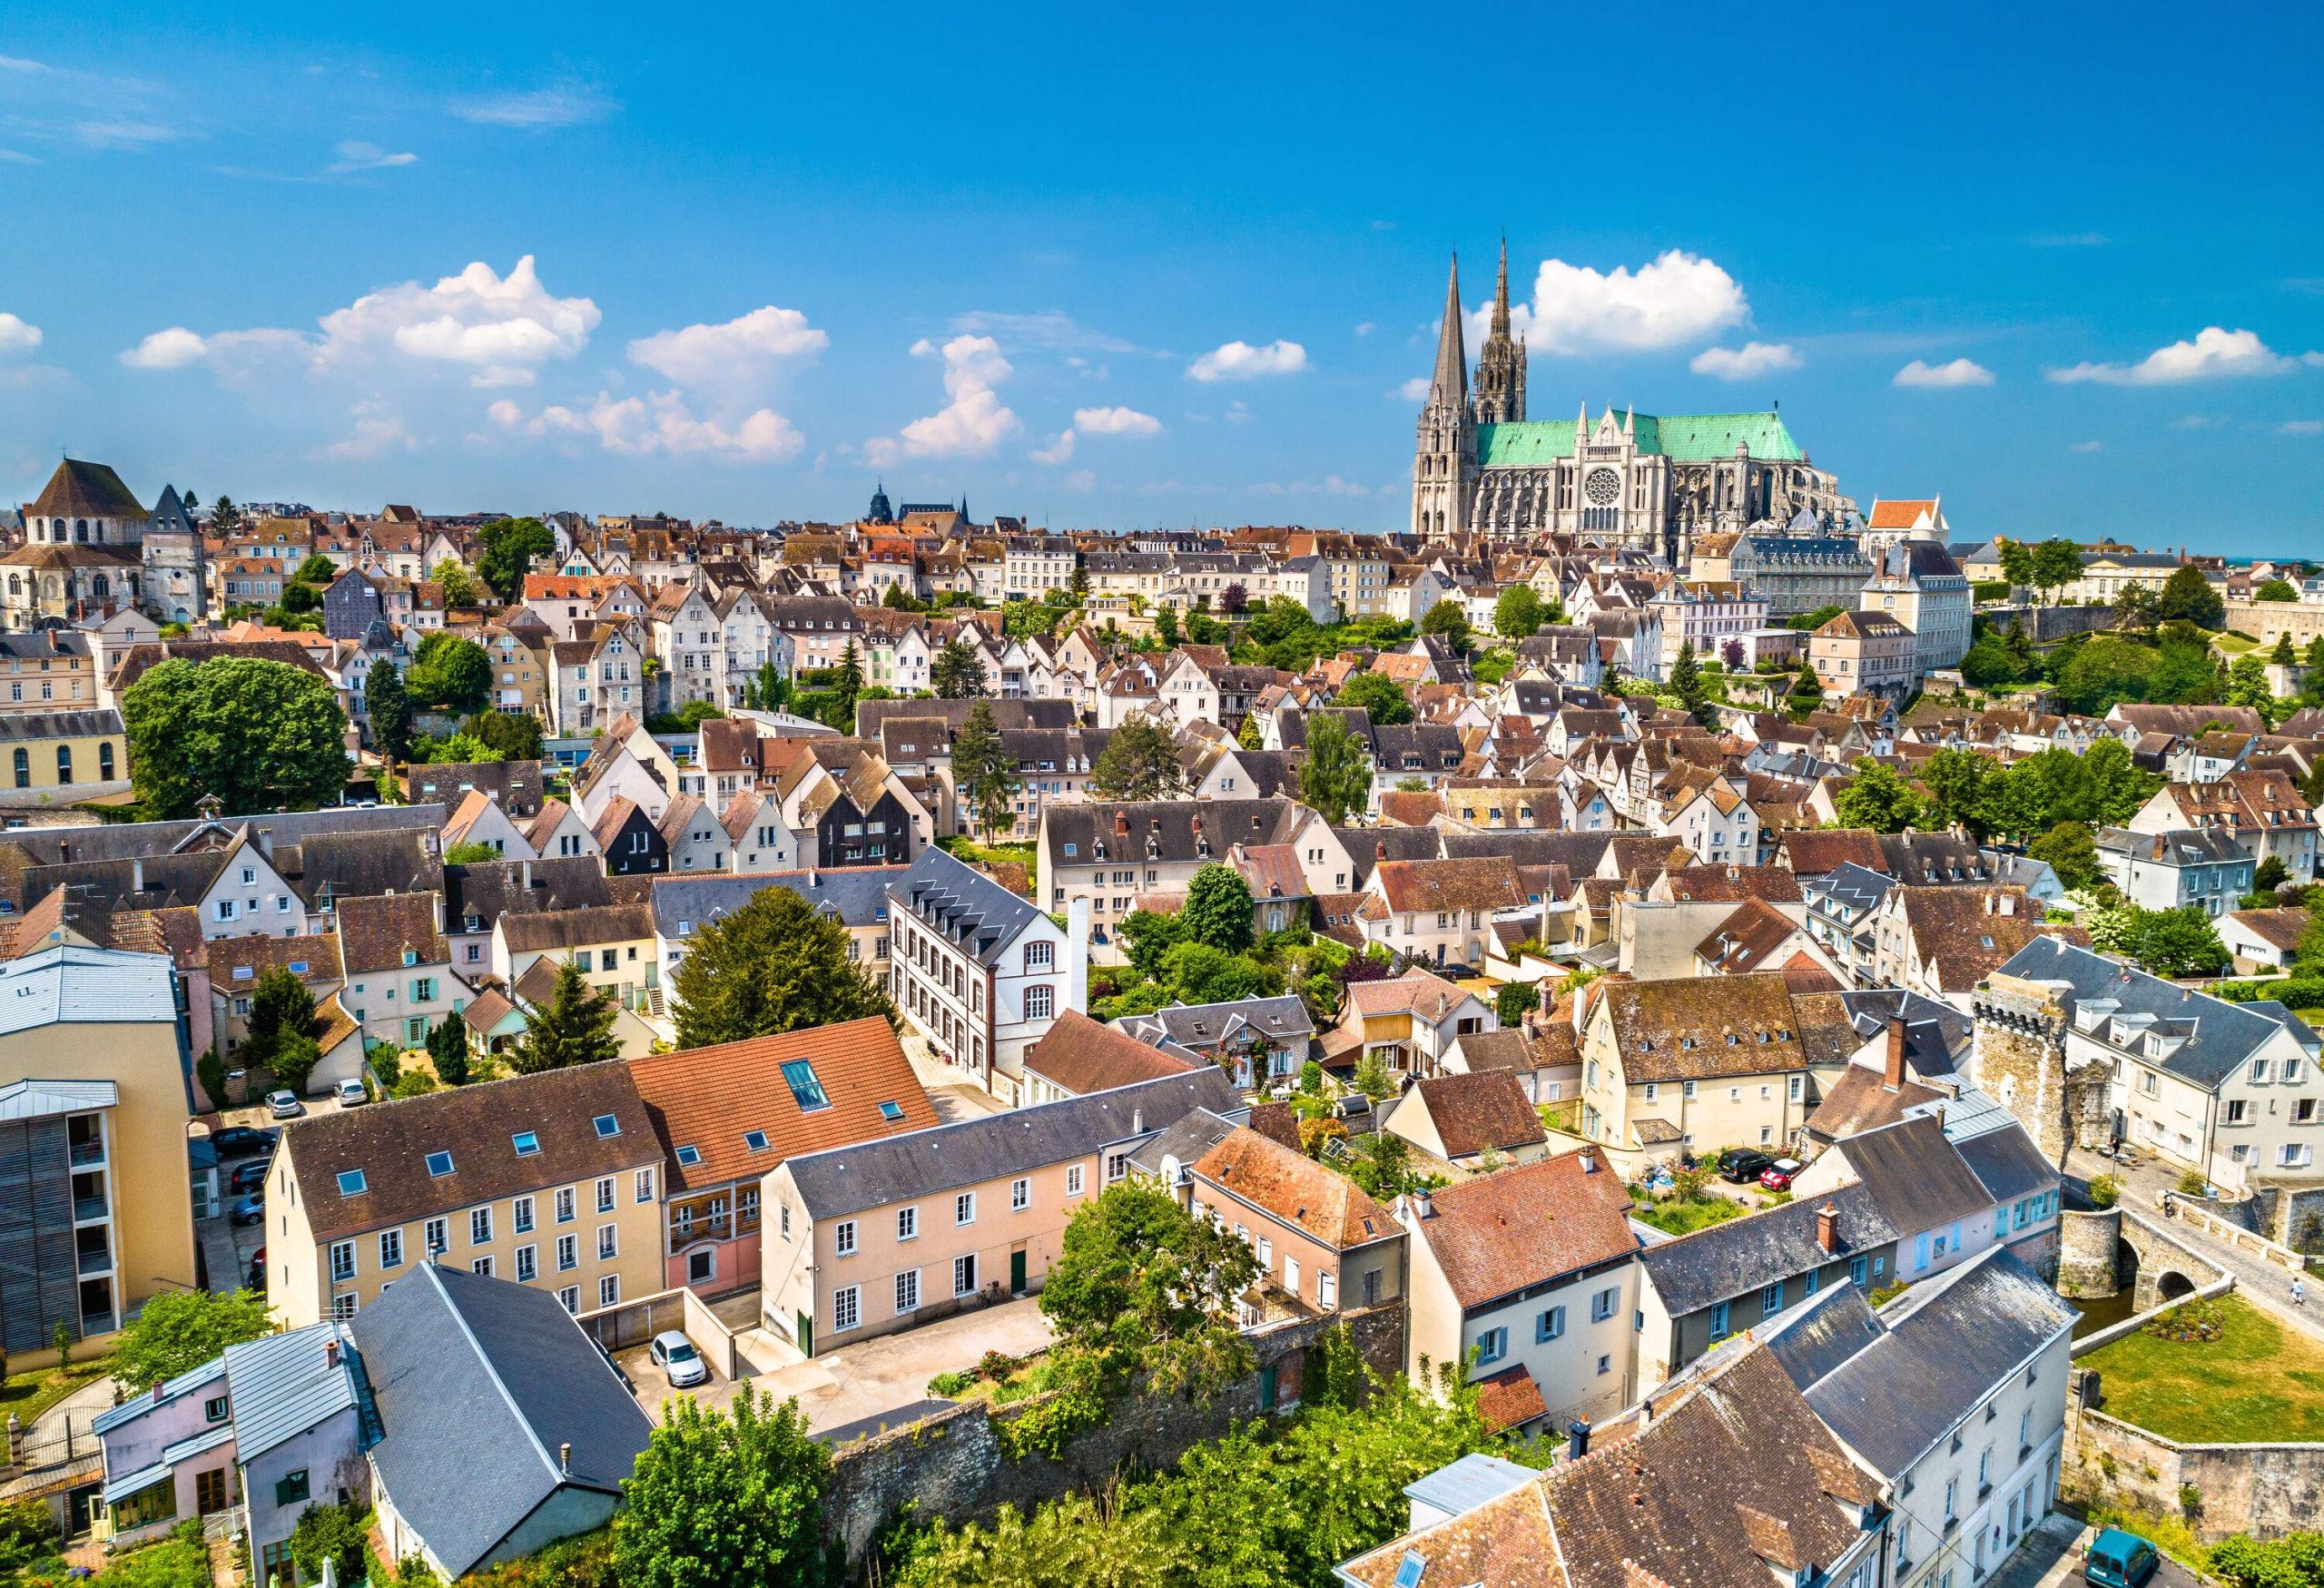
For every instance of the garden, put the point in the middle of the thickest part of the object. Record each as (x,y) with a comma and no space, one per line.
(2252,1381)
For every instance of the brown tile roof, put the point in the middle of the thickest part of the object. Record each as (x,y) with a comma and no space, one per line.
(1861,1100)
(1963,933)
(1082,1055)
(1733,884)
(1522,1227)
(1813,853)
(1510,1398)
(389,1141)
(1688,1028)
(1293,1188)
(237,962)
(1747,939)
(1487,882)
(87,490)
(710,1099)
(567,929)
(1802,974)
(1485,1109)
(1277,1122)
(1411,807)
(375,930)
(2279,927)
(1417,991)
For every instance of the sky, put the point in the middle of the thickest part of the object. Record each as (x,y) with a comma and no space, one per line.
(1118,267)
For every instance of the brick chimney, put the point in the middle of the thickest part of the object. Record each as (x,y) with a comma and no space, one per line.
(1121,823)
(1892,1071)
(1828,1229)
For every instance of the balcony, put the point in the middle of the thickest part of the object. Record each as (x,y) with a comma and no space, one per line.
(90,1209)
(88,1154)
(94,1261)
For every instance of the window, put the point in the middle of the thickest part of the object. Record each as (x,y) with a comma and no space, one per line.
(608,1235)
(1550,1324)
(1719,1330)
(607,1125)
(481,1265)
(964,1207)
(891,1111)
(528,1143)
(964,1274)
(342,1308)
(343,1261)
(1328,1290)
(605,1195)
(805,1089)
(907,1224)
(1492,1344)
(216,1409)
(688,1156)
(480,1225)
(843,1238)
(1605,1366)
(1040,1001)
(350,1183)
(565,1205)
(755,1140)
(1602,1305)
(1771,1298)
(438,1240)
(528,1262)
(391,1249)
(609,1291)
(567,1254)
(847,1307)
(439,1164)
(1117,1166)
(642,1185)
(524,1207)
(290,1489)
(570,1297)
(1073,1179)
(1857,1271)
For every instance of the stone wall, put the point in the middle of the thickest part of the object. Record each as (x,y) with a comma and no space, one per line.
(2264,620)
(2045,625)
(2018,1057)
(2263,1490)
(2090,1253)
(951,1466)
(2291,1218)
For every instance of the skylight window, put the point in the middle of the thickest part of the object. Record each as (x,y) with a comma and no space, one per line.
(689,1156)
(351,1183)
(756,1140)
(1408,1572)
(439,1164)
(891,1111)
(607,1126)
(298,967)
(528,1143)
(805,1089)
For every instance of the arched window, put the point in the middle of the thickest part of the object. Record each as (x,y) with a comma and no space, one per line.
(81,530)
(65,764)
(104,760)
(23,767)
(15,585)
(97,586)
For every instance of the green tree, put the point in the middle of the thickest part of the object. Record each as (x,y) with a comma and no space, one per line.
(1956,781)
(506,549)
(2187,597)
(2246,682)
(575,1026)
(1877,798)
(1139,761)
(335,1533)
(1517,613)
(388,705)
(1379,697)
(1806,691)
(477,853)
(2018,563)
(317,569)
(1141,1284)
(261,736)
(2277,590)
(1511,1004)
(1686,683)
(1987,664)
(299,599)
(719,1501)
(769,690)
(776,964)
(1335,778)
(1166,626)
(281,1008)
(847,686)
(1248,735)
(177,1331)
(513,735)
(2283,655)
(457,749)
(459,585)
(2269,874)
(1218,911)
(2071,851)
(2174,942)
(896,598)
(958,673)
(2134,608)
(985,773)
(2057,563)
(447,1049)
(450,672)
(225,519)
(1448,619)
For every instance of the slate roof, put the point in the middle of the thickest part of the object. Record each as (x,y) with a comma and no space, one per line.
(1724,1260)
(565,929)
(975,912)
(491,889)
(1919,1179)
(1525,1226)
(84,490)
(853,896)
(1892,1384)
(1169,824)
(923,1163)
(2007,1163)
(1203,1025)
(483,1387)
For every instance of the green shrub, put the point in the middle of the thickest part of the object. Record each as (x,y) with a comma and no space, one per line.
(2105,1190)
(2193,1183)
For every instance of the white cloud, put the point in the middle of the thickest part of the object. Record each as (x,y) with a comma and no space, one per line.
(1413,390)
(167,350)
(1367,329)
(126,135)
(2086,447)
(1049,330)
(1938,377)
(561,104)
(356,155)
(1675,298)
(376,430)
(663,423)
(2069,240)
(738,353)
(2215,354)
(16,336)
(972,424)
(2302,428)
(1752,359)
(1239,361)
(1057,451)
(1115,421)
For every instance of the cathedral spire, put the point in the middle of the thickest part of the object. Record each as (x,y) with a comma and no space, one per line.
(1451,379)
(1501,294)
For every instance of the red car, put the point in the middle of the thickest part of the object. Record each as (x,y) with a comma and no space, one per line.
(1778,1175)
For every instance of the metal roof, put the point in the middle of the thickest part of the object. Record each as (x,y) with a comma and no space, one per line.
(968,907)
(1703,438)
(69,984)
(1471,1482)
(192,1379)
(36,1099)
(284,1385)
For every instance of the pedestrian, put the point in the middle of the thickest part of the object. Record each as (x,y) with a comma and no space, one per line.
(2298,1291)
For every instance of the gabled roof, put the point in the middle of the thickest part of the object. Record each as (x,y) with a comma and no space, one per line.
(1484,1111)
(1293,1188)
(85,491)
(1918,1177)
(1738,1255)
(1079,1056)
(975,912)
(1525,1226)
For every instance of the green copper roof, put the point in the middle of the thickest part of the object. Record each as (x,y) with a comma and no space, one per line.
(1693,438)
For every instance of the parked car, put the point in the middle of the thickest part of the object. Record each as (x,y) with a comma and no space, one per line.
(249,1209)
(1740,1166)
(241,1140)
(2116,1559)
(350,1094)
(1777,1176)
(256,1278)
(248,1176)
(284,1104)
(674,1355)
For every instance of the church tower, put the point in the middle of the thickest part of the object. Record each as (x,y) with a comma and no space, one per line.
(1444,461)
(1501,362)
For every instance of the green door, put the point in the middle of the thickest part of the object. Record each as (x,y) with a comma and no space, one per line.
(1016,1273)
(807,1334)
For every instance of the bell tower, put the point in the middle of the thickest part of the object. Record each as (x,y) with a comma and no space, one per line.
(1444,460)
(1501,362)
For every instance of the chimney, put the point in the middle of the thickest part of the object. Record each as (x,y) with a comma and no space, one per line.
(1828,1229)
(1892,1071)
(1121,823)
(1423,1204)
(330,1352)
(1578,1433)
(1137,1121)
(136,874)
(1380,849)
(2008,905)
(266,842)
(565,1459)
(1589,1161)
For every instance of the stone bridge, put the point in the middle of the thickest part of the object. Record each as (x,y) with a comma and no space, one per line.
(2101,1252)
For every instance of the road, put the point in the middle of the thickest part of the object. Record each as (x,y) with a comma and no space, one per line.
(2050,1557)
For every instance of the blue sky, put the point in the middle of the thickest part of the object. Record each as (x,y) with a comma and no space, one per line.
(1117,270)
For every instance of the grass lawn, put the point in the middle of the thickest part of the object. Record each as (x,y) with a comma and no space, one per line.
(29,1392)
(2255,1384)
(2234,644)
(970,854)
(1685,1215)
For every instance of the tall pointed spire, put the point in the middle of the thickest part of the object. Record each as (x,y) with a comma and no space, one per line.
(1501,294)
(1451,377)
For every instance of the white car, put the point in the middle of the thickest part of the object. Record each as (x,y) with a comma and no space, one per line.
(284,1104)
(350,1094)
(674,1355)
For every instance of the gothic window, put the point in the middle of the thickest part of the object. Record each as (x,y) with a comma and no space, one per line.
(15,585)
(1604,486)
(97,587)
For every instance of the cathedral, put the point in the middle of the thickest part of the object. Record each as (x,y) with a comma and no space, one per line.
(1624,480)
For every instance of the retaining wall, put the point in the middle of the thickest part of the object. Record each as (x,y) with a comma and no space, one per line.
(2263,1490)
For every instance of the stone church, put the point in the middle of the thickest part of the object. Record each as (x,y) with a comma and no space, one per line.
(1626,481)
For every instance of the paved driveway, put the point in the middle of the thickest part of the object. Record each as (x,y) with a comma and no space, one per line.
(2050,1557)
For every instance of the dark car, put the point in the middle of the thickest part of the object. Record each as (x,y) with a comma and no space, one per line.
(241,1140)
(1741,1165)
(256,1280)
(248,1176)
